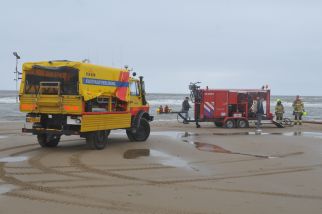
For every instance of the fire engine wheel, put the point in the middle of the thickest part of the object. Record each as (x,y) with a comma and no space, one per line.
(242,124)
(230,124)
(46,140)
(142,133)
(218,124)
(97,140)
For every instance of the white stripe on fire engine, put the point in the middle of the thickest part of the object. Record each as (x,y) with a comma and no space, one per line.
(207,108)
(210,105)
(208,112)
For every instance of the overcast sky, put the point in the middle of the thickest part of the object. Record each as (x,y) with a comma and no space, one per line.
(223,44)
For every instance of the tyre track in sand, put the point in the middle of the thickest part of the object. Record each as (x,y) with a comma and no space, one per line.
(75,160)
(36,163)
(279,194)
(24,187)
(242,175)
(81,200)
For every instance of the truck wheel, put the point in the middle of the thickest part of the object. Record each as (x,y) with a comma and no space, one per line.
(230,124)
(46,140)
(242,124)
(130,135)
(142,133)
(97,140)
(218,124)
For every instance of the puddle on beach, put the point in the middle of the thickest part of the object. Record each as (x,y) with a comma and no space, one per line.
(165,159)
(232,133)
(207,147)
(178,135)
(4,189)
(170,160)
(135,153)
(172,134)
(13,159)
(289,134)
(307,134)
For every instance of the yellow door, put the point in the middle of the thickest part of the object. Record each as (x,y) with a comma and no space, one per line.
(135,95)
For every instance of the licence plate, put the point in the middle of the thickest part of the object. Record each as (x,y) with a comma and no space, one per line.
(33,119)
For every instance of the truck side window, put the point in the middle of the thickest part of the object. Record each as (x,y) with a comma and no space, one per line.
(134,89)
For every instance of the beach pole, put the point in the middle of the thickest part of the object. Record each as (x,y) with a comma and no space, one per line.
(17,74)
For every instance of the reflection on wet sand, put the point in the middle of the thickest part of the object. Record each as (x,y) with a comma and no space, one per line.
(164,158)
(207,147)
(13,159)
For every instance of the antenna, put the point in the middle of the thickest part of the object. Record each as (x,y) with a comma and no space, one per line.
(17,74)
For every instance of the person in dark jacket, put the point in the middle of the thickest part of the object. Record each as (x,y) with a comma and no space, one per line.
(259,112)
(185,108)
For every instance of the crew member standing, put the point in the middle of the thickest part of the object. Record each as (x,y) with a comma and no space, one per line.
(298,109)
(279,111)
(185,109)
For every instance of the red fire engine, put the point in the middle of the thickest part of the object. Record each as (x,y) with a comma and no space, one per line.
(229,108)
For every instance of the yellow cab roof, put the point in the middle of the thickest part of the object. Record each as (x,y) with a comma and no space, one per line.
(90,76)
(74,64)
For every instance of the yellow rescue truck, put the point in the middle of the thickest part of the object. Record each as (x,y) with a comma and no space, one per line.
(75,98)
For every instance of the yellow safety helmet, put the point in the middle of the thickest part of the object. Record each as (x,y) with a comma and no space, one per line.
(278,100)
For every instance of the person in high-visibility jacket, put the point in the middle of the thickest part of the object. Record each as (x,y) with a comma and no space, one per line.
(279,110)
(298,109)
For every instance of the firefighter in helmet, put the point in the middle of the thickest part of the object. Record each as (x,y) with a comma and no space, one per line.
(298,110)
(279,110)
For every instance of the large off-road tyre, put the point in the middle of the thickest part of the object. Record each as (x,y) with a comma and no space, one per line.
(130,135)
(142,132)
(108,132)
(46,140)
(242,123)
(230,124)
(218,124)
(97,140)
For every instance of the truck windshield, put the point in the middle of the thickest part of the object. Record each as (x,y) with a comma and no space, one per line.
(51,80)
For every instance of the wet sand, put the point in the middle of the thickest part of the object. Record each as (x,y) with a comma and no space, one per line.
(180,169)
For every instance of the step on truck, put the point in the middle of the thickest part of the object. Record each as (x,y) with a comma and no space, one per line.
(75,98)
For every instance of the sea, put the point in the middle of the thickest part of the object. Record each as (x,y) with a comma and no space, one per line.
(9,107)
